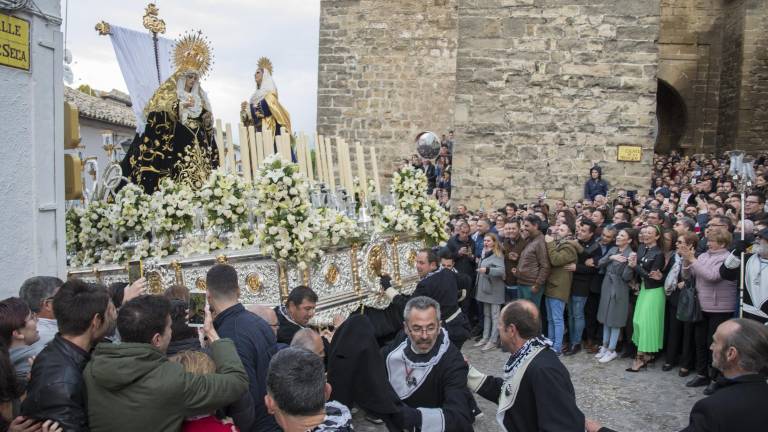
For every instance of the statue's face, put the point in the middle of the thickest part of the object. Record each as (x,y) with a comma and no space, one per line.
(259,76)
(191,80)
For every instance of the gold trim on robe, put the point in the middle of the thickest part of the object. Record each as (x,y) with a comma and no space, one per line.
(164,98)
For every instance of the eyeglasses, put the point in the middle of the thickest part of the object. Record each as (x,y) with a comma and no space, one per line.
(423,330)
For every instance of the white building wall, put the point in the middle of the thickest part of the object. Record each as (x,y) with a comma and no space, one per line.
(31,156)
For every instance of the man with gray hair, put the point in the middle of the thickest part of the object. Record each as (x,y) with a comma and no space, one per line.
(427,373)
(740,352)
(37,292)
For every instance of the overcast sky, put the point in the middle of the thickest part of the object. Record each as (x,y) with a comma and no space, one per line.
(240,31)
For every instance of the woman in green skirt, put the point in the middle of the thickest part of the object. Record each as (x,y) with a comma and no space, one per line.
(648,320)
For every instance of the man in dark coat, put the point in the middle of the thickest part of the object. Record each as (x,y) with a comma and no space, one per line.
(428,374)
(56,390)
(584,270)
(536,392)
(463,248)
(439,284)
(740,352)
(299,308)
(253,338)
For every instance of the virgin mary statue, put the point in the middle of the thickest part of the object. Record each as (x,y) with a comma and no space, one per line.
(263,110)
(178,140)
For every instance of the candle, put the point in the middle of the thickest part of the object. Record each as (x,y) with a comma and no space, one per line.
(320,158)
(308,152)
(301,156)
(286,148)
(269,142)
(220,142)
(375,167)
(361,169)
(347,168)
(245,160)
(231,168)
(250,133)
(329,161)
(256,153)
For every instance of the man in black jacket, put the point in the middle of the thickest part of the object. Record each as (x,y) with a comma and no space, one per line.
(740,352)
(57,391)
(253,338)
(536,392)
(584,270)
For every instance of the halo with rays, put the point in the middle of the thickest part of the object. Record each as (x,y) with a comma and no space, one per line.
(265,63)
(192,53)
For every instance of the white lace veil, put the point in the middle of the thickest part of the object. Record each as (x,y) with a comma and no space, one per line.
(267,85)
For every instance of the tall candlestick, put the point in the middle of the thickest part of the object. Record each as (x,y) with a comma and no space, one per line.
(220,142)
(375,168)
(245,154)
(347,168)
(231,168)
(361,169)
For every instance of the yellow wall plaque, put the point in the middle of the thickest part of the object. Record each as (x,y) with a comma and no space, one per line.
(629,153)
(14,42)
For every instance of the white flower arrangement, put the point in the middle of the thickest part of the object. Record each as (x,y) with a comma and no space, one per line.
(173,210)
(96,235)
(396,220)
(409,186)
(224,199)
(338,228)
(291,229)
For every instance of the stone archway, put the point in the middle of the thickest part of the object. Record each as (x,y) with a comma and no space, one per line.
(671,116)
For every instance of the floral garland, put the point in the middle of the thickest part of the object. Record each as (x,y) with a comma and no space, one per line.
(95,235)
(291,230)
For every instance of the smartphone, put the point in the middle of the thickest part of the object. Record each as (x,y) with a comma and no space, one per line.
(135,271)
(197,304)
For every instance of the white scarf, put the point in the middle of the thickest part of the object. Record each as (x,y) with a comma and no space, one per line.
(756,282)
(670,283)
(405,375)
(514,371)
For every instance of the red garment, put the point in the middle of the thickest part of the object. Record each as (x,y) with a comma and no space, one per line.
(207,424)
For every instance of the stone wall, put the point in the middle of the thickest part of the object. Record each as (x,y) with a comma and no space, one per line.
(753,113)
(547,88)
(387,70)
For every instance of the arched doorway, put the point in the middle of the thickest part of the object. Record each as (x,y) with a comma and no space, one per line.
(670,117)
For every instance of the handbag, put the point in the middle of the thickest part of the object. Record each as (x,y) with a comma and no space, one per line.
(688,307)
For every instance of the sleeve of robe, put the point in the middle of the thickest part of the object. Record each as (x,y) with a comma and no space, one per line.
(455,413)
(491,388)
(554,394)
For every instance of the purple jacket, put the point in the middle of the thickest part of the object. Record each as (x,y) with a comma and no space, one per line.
(715,293)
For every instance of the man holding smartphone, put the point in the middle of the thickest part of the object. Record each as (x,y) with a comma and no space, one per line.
(254,339)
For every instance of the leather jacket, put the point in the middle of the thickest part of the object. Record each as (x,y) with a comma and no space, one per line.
(56,390)
(648,260)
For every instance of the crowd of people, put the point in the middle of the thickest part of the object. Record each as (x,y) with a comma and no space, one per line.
(651,276)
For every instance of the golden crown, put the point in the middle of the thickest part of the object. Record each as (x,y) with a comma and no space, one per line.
(192,53)
(265,63)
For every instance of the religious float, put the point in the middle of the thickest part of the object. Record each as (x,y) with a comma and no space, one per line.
(281,212)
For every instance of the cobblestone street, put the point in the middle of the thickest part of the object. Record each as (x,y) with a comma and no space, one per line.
(648,401)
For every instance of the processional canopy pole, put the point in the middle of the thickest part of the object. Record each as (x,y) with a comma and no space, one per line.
(152,22)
